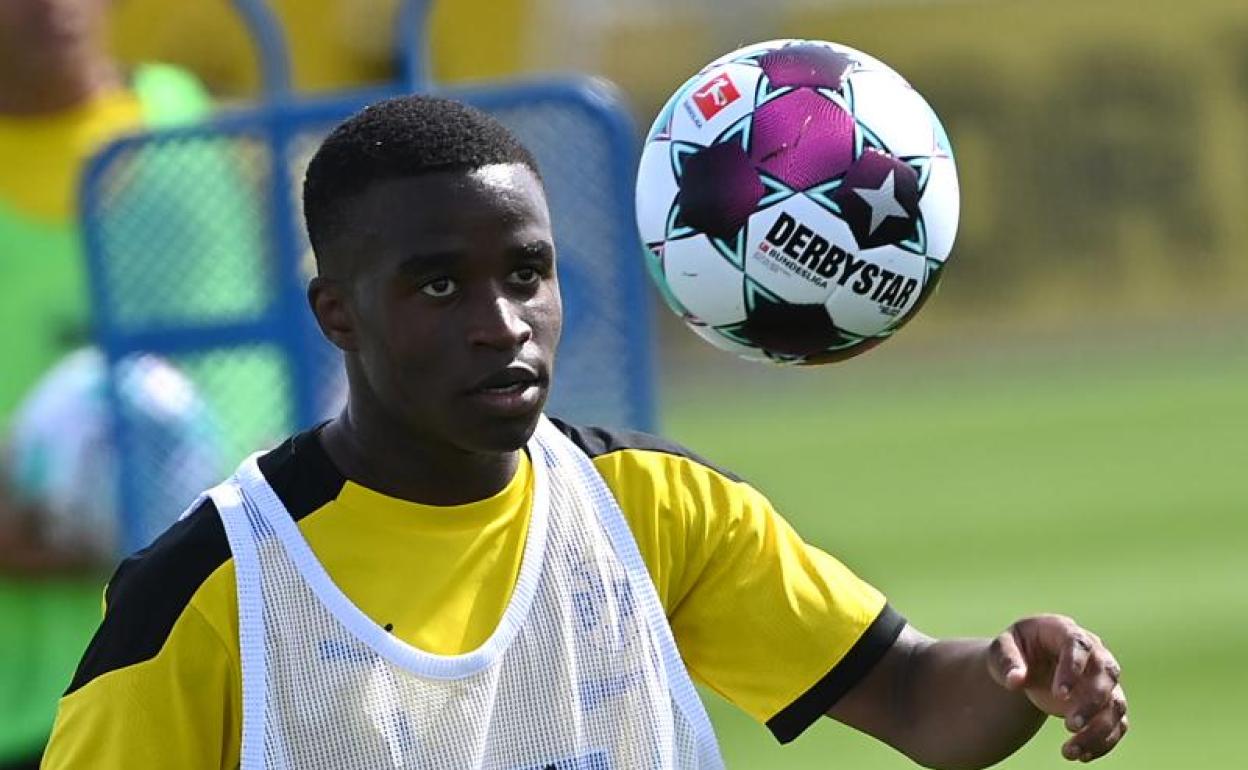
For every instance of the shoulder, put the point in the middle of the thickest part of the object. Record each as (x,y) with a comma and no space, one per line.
(665,490)
(301,474)
(659,483)
(160,683)
(682,510)
(602,443)
(152,589)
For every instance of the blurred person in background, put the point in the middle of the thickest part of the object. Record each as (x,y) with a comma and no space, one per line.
(62,96)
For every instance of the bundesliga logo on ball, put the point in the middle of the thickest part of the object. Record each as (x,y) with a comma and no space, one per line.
(797,200)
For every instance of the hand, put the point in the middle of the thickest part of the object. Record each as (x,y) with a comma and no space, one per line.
(1066,672)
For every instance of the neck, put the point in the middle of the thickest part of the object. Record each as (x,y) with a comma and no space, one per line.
(53,84)
(398,465)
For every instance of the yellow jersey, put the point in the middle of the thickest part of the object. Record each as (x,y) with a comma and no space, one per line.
(771,623)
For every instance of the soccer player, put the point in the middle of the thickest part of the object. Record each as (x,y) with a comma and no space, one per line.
(442,577)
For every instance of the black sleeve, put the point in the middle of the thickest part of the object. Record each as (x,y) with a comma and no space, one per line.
(793,720)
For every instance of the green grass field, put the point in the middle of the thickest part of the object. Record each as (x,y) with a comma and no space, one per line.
(1106,479)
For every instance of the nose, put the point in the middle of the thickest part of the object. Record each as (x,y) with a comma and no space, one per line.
(498,322)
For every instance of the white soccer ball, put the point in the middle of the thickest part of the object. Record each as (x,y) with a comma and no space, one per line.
(797,200)
(60,457)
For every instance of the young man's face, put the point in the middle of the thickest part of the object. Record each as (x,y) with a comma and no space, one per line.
(455,305)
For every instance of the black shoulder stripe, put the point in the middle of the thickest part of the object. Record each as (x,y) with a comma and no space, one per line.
(149,591)
(861,658)
(596,442)
(301,473)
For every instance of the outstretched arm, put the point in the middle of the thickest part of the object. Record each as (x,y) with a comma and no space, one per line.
(969,703)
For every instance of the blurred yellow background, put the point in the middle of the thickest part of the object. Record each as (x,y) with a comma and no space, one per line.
(1100,146)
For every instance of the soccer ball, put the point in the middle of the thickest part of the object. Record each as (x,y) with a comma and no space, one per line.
(60,460)
(797,200)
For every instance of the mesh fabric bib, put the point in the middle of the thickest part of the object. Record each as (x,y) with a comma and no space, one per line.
(582,672)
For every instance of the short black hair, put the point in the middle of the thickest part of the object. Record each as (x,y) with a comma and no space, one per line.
(396,138)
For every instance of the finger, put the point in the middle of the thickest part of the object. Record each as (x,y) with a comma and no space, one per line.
(1048,633)
(1076,651)
(1006,663)
(1113,709)
(1087,750)
(1092,693)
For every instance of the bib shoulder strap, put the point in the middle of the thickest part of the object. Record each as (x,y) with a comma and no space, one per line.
(240,519)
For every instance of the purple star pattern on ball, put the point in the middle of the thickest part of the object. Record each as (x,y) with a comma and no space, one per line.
(805,65)
(719,189)
(880,200)
(803,139)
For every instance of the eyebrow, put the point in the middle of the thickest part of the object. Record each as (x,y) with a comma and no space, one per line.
(434,261)
(544,250)
(430,261)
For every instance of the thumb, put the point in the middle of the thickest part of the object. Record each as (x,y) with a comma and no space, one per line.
(1006,663)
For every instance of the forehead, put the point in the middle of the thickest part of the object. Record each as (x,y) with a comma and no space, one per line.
(452,208)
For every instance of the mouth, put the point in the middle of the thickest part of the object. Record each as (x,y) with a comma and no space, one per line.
(514,391)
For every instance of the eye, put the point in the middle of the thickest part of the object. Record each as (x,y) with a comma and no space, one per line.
(439,287)
(526,276)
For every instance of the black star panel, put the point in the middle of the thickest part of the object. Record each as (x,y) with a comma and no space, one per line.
(790,330)
(879,200)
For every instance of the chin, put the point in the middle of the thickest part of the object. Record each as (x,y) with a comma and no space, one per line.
(499,435)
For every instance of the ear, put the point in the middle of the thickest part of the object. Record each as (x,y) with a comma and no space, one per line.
(331,306)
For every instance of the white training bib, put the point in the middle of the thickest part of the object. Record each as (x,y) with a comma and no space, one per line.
(582,672)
